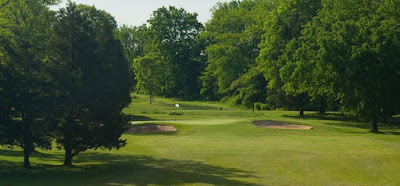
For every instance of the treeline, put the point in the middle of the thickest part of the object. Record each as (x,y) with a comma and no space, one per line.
(67,75)
(275,54)
(63,78)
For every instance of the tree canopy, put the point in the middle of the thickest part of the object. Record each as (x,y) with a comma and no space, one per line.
(67,75)
(93,81)
(24,29)
(175,32)
(232,37)
(354,46)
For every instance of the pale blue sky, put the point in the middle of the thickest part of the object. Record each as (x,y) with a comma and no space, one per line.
(137,12)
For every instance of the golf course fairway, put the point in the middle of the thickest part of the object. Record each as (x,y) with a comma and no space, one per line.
(215,146)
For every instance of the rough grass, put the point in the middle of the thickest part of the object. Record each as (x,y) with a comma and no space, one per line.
(222,147)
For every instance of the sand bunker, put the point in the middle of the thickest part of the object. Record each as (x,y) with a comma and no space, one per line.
(279,125)
(152,128)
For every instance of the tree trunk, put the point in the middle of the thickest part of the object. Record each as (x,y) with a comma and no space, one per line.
(322,111)
(322,105)
(27,163)
(68,157)
(68,144)
(301,112)
(386,121)
(151,98)
(374,126)
(28,142)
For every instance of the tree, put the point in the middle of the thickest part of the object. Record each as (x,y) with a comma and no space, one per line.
(25,26)
(92,81)
(283,28)
(232,36)
(136,41)
(249,89)
(150,74)
(355,46)
(174,32)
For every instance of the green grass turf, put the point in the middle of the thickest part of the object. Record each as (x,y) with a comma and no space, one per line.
(222,147)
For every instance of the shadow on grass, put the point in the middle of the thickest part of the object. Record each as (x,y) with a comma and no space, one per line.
(188,106)
(17,153)
(392,133)
(328,116)
(140,118)
(10,153)
(113,169)
(347,121)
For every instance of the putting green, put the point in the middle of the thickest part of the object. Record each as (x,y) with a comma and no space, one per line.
(194,122)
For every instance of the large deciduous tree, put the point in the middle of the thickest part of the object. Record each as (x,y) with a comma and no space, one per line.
(135,40)
(174,32)
(355,45)
(283,28)
(232,37)
(25,26)
(92,80)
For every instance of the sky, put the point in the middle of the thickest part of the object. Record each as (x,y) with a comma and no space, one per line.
(137,12)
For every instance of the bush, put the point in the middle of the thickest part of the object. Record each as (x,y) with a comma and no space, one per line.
(261,106)
(176,113)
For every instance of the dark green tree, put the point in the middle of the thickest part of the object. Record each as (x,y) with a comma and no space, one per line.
(136,41)
(249,89)
(92,80)
(25,26)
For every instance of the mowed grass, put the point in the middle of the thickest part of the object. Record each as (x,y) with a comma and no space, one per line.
(222,147)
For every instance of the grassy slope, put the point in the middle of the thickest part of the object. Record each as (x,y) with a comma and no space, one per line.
(221,147)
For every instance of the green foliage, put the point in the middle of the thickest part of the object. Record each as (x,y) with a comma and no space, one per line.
(261,106)
(25,101)
(176,113)
(223,148)
(136,41)
(232,36)
(151,74)
(174,32)
(68,76)
(92,80)
(354,46)
(283,28)
(250,88)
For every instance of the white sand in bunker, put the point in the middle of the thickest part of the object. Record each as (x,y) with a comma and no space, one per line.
(151,128)
(280,125)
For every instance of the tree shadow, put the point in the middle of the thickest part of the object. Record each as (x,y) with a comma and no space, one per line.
(114,169)
(328,116)
(392,133)
(140,118)
(336,120)
(11,153)
(188,106)
(347,121)
(39,155)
